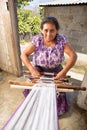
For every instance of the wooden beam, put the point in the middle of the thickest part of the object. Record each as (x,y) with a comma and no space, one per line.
(31,87)
(15,37)
(58,85)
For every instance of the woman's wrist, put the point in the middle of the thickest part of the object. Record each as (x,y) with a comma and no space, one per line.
(64,72)
(31,68)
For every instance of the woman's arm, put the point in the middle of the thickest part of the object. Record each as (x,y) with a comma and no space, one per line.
(72,59)
(24,57)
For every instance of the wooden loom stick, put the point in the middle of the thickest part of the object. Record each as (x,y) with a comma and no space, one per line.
(21,83)
(70,87)
(28,72)
(58,85)
(21,86)
(31,87)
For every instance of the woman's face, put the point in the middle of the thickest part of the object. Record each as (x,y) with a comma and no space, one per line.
(49,32)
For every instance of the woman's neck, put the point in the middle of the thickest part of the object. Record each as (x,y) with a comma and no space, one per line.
(49,43)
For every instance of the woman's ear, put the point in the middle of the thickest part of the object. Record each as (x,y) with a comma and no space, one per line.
(57,32)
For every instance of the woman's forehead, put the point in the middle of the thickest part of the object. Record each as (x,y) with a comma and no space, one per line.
(49,25)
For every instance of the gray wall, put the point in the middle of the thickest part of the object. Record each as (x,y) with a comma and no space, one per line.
(73,22)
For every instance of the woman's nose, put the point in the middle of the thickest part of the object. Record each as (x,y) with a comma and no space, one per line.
(48,33)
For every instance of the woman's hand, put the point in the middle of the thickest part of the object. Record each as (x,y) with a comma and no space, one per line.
(72,59)
(35,73)
(60,75)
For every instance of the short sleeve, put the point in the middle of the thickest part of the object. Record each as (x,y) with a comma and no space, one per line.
(65,40)
(35,41)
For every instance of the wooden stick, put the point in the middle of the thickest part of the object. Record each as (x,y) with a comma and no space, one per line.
(64,90)
(21,86)
(70,87)
(58,85)
(30,88)
(28,72)
(21,83)
(35,79)
(58,81)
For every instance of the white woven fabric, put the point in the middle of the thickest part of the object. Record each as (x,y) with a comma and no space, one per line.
(38,111)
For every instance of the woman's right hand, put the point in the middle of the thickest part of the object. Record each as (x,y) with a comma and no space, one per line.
(35,73)
(24,56)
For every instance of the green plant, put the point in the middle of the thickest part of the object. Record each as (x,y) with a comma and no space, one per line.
(23,20)
(35,24)
(22,41)
(21,3)
(28,21)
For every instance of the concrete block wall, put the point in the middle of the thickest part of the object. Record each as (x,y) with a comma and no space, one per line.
(73,23)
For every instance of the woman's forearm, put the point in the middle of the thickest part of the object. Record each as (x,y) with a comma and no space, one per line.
(72,57)
(27,62)
(24,57)
(70,63)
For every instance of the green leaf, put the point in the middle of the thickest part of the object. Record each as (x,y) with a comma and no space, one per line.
(28,21)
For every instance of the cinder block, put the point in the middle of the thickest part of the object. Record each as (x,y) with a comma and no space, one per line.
(73,23)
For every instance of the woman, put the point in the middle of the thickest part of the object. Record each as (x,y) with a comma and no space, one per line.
(48,54)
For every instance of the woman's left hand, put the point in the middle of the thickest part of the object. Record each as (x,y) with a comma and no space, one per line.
(60,75)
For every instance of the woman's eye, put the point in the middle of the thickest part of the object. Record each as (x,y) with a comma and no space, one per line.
(46,30)
(52,30)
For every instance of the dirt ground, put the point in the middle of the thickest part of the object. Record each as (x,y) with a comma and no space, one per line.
(10,99)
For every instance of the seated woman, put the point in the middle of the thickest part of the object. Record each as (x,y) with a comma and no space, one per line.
(48,54)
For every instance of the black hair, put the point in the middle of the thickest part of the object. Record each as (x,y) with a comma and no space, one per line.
(50,19)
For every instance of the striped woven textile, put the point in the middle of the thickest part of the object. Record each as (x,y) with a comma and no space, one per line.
(37,112)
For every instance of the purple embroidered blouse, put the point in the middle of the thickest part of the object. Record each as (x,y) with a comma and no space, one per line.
(49,56)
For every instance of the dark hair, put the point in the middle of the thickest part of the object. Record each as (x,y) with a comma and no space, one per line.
(50,19)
